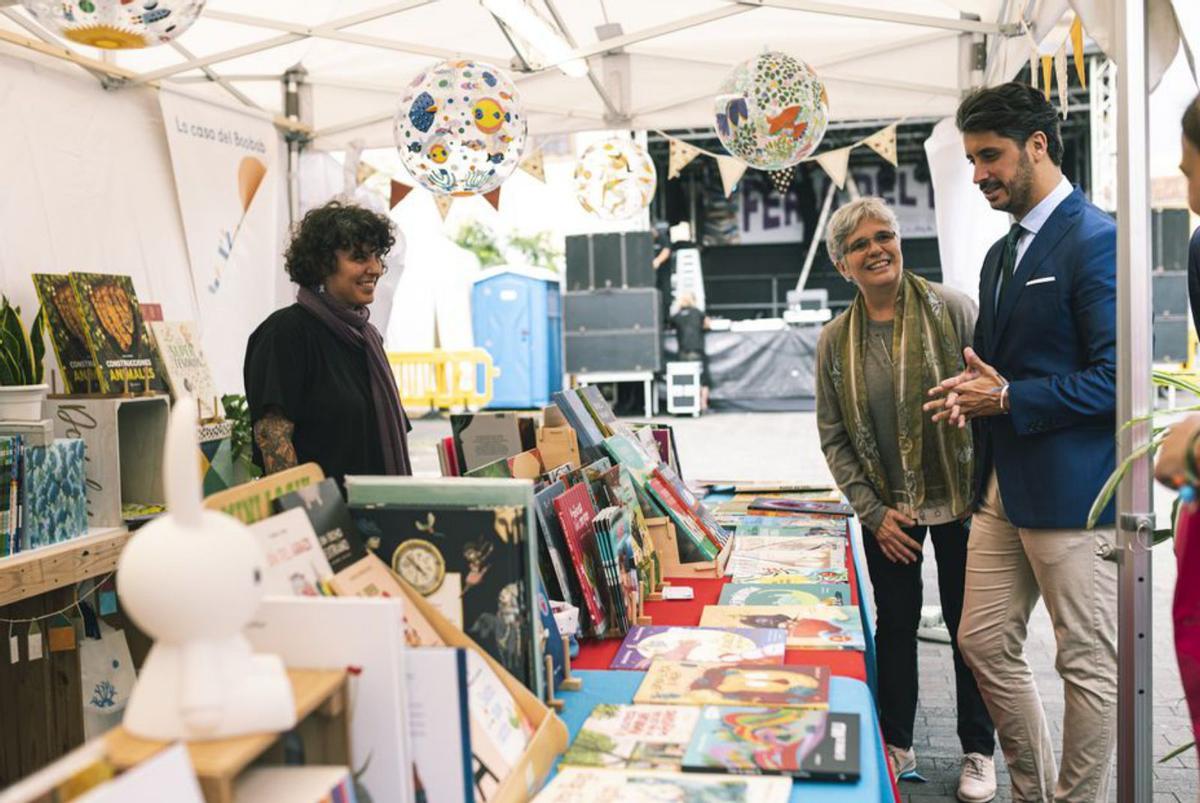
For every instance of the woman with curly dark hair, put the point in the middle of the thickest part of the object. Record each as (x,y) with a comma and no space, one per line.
(318,382)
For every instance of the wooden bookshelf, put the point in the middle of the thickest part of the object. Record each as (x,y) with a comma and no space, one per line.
(39,571)
(219,762)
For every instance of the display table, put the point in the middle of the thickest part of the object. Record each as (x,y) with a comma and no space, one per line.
(759,371)
(851,696)
(62,565)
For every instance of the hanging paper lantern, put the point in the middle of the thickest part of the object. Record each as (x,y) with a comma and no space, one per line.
(782,179)
(460,128)
(615,179)
(116,24)
(771,111)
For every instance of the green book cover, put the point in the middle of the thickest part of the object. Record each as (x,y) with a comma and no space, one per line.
(123,352)
(68,335)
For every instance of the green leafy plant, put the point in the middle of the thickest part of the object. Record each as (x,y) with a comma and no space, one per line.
(21,352)
(538,249)
(240,442)
(480,241)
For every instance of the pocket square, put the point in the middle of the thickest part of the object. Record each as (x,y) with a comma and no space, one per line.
(1042,280)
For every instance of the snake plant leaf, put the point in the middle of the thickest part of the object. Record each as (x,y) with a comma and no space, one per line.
(38,343)
(13,345)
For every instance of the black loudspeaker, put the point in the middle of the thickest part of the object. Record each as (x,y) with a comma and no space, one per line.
(1170,232)
(589,352)
(612,330)
(610,261)
(1170,338)
(1169,293)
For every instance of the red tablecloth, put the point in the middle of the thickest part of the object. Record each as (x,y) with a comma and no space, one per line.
(845,663)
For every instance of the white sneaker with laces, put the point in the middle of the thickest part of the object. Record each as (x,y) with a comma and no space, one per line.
(902,760)
(977,783)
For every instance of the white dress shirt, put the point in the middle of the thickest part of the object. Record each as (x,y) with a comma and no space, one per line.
(1032,223)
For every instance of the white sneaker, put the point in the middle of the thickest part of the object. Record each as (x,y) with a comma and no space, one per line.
(977,783)
(902,760)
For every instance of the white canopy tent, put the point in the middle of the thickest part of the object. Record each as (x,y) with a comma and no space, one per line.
(91,183)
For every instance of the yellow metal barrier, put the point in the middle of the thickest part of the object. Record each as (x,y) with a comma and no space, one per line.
(443,380)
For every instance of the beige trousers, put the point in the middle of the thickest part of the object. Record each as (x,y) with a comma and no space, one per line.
(1008,567)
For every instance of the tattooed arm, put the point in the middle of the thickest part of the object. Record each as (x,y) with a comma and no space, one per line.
(273,434)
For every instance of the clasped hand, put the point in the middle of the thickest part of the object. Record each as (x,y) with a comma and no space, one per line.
(973,393)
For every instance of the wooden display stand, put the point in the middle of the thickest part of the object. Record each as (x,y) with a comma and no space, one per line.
(662,532)
(124,437)
(569,682)
(218,763)
(251,501)
(550,735)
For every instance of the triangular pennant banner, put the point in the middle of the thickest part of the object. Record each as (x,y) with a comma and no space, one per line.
(883,142)
(782,179)
(443,204)
(680,154)
(1047,72)
(732,171)
(399,193)
(365,171)
(1033,55)
(1060,75)
(1077,50)
(535,165)
(836,164)
(493,198)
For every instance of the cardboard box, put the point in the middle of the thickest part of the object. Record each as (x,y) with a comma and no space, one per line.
(558,445)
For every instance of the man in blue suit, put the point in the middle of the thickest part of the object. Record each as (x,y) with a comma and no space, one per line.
(1040,383)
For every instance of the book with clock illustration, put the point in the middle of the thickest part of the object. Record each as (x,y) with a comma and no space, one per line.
(470,563)
(330,519)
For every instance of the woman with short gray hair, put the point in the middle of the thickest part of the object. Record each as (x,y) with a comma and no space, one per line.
(904,475)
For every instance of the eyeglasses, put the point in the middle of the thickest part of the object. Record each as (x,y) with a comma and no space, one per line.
(880,238)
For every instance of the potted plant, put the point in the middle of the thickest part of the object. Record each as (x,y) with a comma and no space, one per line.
(21,389)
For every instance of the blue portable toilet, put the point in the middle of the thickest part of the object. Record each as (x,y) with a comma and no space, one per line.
(516,315)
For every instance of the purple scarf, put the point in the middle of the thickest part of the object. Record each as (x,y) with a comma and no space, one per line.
(349,325)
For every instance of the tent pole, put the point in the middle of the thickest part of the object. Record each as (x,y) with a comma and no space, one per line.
(293,80)
(818,233)
(1135,505)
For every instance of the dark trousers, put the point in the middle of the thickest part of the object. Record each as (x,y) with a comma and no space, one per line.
(898,596)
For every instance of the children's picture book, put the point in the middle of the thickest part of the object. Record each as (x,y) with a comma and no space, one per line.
(64,320)
(754,555)
(794,527)
(116,335)
(793,576)
(678,489)
(588,434)
(187,371)
(755,544)
(587,785)
(783,505)
(550,637)
(470,564)
(330,520)
(296,563)
(779,594)
(644,644)
(754,740)
(555,558)
(439,720)
(575,513)
(687,527)
(686,683)
(367,577)
(499,731)
(809,627)
(633,737)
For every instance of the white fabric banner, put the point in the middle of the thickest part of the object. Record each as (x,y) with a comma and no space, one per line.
(227,179)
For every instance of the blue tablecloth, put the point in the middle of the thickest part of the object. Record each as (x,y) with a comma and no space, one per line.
(845,695)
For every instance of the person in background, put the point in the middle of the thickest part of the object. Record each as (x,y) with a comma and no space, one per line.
(905,476)
(318,384)
(663,267)
(690,322)
(1177,467)
(1041,383)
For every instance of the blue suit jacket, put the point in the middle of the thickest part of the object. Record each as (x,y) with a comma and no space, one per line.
(1055,342)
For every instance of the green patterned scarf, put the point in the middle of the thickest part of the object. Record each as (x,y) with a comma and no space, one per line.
(925,350)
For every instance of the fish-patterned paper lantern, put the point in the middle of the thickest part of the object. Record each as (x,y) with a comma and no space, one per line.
(460,128)
(116,24)
(771,111)
(615,179)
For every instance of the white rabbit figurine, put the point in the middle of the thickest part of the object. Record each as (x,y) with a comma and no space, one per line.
(193,580)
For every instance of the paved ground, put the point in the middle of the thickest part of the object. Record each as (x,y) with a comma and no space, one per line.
(785,445)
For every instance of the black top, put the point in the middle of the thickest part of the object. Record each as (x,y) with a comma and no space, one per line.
(294,362)
(689,329)
(1193,273)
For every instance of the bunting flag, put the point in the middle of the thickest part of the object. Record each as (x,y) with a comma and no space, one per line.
(732,171)
(1047,68)
(883,142)
(1077,50)
(1060,74)
(1033,54)
(399,192)
(782,179)
(444,203)
(535,165)
(836,164)
(492,197)
(680,154)
(364,172)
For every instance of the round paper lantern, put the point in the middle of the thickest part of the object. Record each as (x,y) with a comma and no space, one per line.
(460,128)
(615,179)
(771,111)
(116,24)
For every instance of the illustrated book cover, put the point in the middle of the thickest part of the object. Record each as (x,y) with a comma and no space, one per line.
(794,576)
(808,627)
(633,737)
(783,505)
(116,335)
(575,513)
(439,720)
(685,683)
(780,594)
(68,334)
(330,520)
(296,563)
(561,582)
(645,643)
(187,370)
(588,785)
